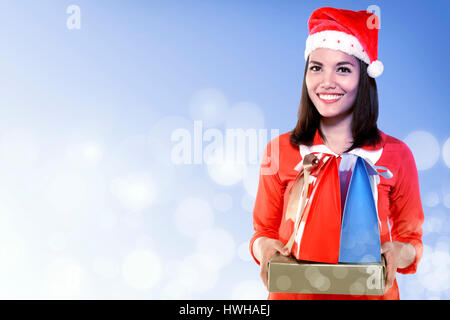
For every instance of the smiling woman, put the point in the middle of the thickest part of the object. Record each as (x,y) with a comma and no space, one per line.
(337,121)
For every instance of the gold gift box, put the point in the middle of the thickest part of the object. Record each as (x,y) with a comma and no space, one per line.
(286,274)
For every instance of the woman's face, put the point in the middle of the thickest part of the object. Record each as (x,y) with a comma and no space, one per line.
(332,80)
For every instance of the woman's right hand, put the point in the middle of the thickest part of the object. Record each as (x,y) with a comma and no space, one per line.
(264,249)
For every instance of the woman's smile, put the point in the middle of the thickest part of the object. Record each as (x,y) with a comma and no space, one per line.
(330,97)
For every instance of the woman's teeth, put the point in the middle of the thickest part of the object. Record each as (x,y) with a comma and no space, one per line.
(330,96)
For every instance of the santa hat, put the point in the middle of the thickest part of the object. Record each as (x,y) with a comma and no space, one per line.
(348,31)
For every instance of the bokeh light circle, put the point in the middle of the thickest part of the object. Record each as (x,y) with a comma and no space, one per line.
(431,199)
(434,271)
(226,171)
(135,191)
(446,152)
(424,147)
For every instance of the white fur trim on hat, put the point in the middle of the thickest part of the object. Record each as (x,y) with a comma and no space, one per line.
(336,40)
(375,69)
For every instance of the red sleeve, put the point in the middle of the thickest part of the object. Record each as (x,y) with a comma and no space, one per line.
(268,208)
(406,213)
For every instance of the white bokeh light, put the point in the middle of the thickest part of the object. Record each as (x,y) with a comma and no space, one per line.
(434,271)
(446,152)
(424,147)
(245,115)
(249,290)
(222,202)
(244,252)
(192,216)
(135,191)
(65,278)
(432,224)
(218,245)
(88,152)
(141,269)
(226,171)
(446,200)
(431,199)
(209,105)
(436,221)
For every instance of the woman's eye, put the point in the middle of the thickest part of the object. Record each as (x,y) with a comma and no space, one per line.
(345,70)
(313,68)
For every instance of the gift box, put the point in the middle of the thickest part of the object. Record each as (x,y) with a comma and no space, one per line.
(289,275)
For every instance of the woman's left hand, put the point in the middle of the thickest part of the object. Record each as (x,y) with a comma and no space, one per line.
(390,252)
(397,255)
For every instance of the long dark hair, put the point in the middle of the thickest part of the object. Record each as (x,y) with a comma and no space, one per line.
(365,114)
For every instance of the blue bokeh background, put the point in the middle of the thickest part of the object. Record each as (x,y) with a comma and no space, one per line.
(92,204)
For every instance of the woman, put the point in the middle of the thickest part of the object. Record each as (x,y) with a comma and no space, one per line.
(338,113)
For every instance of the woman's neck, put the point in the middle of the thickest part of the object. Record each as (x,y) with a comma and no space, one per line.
(337,132)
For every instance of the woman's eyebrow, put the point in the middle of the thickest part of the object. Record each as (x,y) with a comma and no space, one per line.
(343,63)
(337,64)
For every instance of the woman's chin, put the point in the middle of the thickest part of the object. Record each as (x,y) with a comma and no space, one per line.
(335,116)
(329,115)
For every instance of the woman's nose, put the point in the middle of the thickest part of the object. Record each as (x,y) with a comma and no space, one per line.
(328,80)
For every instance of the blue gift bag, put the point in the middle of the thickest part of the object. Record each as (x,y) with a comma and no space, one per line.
(360,234)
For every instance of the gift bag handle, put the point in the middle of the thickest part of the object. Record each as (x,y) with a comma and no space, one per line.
(309,162)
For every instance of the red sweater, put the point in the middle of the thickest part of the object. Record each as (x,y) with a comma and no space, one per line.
(398,201)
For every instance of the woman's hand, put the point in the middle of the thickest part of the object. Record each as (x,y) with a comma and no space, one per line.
(397,255)
(264,248)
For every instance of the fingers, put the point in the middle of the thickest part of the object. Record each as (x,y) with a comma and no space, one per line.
(391,269)
(386,246)
(279,246)
(264,272)
(388,251)
(272,246)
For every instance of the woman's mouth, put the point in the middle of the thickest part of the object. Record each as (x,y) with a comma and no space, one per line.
(329,98)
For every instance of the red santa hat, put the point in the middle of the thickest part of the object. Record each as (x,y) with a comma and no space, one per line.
(352,32)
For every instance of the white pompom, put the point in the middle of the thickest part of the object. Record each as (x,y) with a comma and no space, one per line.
(375,69)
